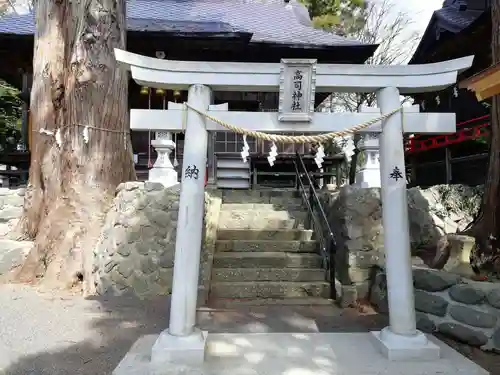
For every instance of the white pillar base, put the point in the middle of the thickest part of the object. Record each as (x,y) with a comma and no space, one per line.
(405,348)
(166,176)
(181,350)
(368,178)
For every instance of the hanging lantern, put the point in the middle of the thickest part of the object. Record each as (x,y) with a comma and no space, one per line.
(144,90)
(160,92)
(177,93)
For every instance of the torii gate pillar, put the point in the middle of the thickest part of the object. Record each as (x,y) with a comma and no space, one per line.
(401,340)
(182,342)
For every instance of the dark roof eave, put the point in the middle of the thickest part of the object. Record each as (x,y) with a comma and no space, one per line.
(365,50)
(319,46)
(243,37)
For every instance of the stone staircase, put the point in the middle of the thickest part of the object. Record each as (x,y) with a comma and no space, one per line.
(263,254)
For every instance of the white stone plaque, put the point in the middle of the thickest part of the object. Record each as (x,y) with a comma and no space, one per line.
(297,89)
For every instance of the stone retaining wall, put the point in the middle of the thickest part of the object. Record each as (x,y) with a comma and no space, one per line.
(135,253)
(464,310)
(355,216)
(11,208)
(12,252)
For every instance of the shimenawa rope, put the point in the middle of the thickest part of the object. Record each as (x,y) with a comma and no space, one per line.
(319,138)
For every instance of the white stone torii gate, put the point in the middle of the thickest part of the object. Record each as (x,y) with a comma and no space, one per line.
(401,340)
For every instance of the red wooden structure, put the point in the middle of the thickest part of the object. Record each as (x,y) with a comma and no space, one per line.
(466,131)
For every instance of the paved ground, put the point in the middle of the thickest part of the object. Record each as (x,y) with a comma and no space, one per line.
(58,334)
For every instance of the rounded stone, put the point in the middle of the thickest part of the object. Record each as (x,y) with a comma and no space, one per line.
(139,284)
(166,260)
(130,185)
(473,317)
(493,298)
(109,265)
(124,250)
(10,213)
(464,334)
(466,294)
(429,303)
(495,340)
(434,281)
(164,278)
(142,248)
(126,267)
(425,324)
(118,279)
(148,265)
(153,186)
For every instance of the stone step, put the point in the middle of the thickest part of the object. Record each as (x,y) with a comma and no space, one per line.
(265,219)
(264,245)
(289,206)
(277,201)
(258,234)
(268,274)
(268,289)
(266,260)
(286,204)
(236,303)
(262,193)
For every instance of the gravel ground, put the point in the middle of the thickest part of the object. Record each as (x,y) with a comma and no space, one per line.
(42,333)
(55,333)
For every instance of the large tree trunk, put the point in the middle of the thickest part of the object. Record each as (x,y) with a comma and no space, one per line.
(486,224)
(76,83)
(485,228)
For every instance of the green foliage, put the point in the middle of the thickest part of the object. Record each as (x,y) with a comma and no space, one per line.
(10,117)
(340,16)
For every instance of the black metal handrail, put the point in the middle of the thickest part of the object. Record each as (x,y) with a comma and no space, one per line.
(317,221)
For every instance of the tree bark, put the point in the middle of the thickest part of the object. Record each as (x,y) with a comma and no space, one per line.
(485,228)
(76,83)
(486,224)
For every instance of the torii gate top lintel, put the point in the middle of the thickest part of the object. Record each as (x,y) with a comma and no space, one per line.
(265,77)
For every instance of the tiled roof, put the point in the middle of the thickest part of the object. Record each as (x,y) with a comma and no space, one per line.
(453,17)
(269,21)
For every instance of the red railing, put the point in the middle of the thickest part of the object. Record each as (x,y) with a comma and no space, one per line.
(466,131)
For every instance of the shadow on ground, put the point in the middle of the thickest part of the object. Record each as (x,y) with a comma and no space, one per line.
(46,334)
(53,334)
(99,333)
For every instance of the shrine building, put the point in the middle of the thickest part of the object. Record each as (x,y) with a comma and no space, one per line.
(460,28)
(206,30)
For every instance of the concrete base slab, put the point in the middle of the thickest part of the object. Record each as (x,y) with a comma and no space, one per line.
(402,348)
(298,354)
(188,350)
